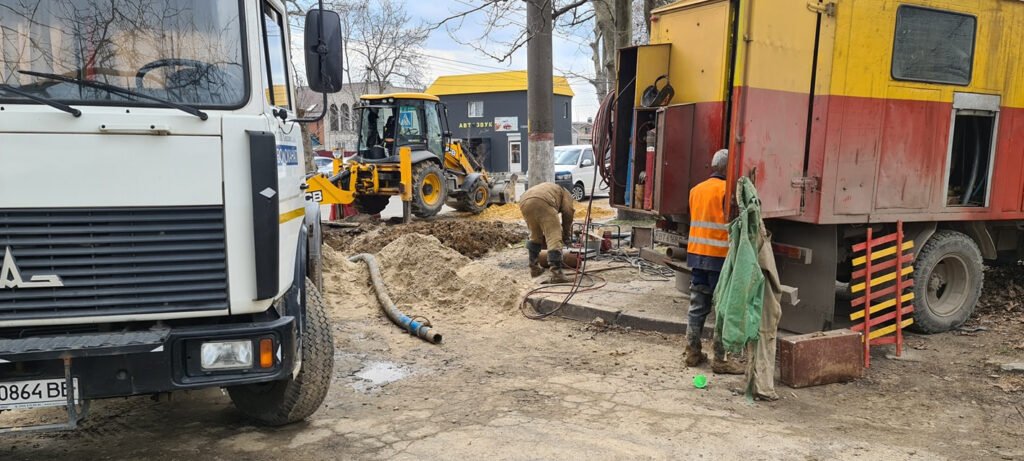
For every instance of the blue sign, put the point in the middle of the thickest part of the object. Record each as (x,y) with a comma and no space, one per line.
(287,155)
(405,119)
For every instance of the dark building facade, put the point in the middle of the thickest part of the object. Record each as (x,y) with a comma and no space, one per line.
(488,112)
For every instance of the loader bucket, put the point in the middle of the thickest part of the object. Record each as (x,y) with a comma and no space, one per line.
(504,190)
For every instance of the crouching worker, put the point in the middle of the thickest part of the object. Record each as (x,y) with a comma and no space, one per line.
(706,250)
(541,205)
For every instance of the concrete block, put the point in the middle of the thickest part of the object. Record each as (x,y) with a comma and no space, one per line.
(821,358)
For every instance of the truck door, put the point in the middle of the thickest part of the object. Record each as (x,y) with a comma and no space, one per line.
(280,115)
(774,77)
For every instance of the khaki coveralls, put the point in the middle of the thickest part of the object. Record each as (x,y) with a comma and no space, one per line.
(540,207)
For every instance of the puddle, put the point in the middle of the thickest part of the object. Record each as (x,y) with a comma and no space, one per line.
(378,374)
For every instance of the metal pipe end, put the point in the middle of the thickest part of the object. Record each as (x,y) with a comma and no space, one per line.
(433,336)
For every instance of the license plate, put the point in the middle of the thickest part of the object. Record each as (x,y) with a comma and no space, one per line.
(35,393)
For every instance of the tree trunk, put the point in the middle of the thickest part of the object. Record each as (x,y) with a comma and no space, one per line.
(623,23)
(648,6)
(540,92)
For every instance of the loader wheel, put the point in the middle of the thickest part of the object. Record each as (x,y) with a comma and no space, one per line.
(475,201)
(948,276)
(429,193)
(296,398)
(371,204)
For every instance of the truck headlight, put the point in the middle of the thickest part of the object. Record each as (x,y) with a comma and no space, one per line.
(563,176)
(226,355)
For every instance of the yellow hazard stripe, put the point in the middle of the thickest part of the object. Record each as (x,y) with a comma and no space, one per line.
(881,306)
(889,329)
(296,213)
(882,253)
(880,280)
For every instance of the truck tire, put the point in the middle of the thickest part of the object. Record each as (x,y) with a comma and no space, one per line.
(296,398)
(429,190)
(948,276)
(371,204)
(475,201)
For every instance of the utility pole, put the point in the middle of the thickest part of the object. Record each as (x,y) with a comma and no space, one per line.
(623,23)
(541,145)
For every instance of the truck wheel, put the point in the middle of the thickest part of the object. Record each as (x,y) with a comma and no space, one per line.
(371,204)
(294,399)
(475,201)
(948,276)
(578,192)
(429,192)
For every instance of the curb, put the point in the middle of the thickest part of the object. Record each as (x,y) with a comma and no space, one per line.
(587,313)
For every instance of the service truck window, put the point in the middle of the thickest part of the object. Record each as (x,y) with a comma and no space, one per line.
(276,88)
(933,46)
(187,51)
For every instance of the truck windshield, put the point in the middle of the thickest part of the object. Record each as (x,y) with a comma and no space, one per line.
(185,51)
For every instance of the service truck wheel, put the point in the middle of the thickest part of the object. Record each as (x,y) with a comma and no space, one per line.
(948,276)
(475,201)
(294,399)
(371,204)
(429,191)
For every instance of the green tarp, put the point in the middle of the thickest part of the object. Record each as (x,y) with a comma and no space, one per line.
(740,292)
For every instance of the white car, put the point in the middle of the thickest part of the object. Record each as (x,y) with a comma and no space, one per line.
(324,165)
(575,170)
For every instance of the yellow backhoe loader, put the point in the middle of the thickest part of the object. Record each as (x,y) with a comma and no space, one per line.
(406,149)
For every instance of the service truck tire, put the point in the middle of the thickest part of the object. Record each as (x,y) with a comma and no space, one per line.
(948,276)
(429,190)
(294,399)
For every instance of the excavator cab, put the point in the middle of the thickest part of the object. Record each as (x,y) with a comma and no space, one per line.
(387,124)
(405,148)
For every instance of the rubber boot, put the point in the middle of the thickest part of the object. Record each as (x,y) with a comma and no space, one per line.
(557,274)
(534,250)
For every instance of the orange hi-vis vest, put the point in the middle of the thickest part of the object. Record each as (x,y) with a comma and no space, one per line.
(709,229)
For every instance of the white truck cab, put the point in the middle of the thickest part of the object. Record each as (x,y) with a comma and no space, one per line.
(176,250)
(575,169)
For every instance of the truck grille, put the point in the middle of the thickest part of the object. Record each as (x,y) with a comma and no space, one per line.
(116,261)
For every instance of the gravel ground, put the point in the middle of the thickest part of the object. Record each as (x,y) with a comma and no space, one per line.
(504,387)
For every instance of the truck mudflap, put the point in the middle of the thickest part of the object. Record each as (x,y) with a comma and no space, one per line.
(121,364)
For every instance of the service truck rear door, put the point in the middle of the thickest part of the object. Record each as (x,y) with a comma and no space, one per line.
(773,77)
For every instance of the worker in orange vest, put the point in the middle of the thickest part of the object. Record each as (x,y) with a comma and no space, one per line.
(706,249)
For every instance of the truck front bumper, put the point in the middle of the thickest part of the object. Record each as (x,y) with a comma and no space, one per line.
(161,359)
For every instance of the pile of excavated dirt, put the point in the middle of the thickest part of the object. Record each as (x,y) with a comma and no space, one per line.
(510,212)
(469,238)
(433,279)
(424,278)
(346,285)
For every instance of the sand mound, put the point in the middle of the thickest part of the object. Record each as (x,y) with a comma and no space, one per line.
(511,213)
(424,278)
(346,286)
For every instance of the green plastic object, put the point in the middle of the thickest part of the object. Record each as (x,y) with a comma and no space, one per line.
(700,381)
(739,295)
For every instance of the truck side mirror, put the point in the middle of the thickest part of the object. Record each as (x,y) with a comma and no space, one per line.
(323,42)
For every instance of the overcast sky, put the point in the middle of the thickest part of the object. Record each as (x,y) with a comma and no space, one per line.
(445,56)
